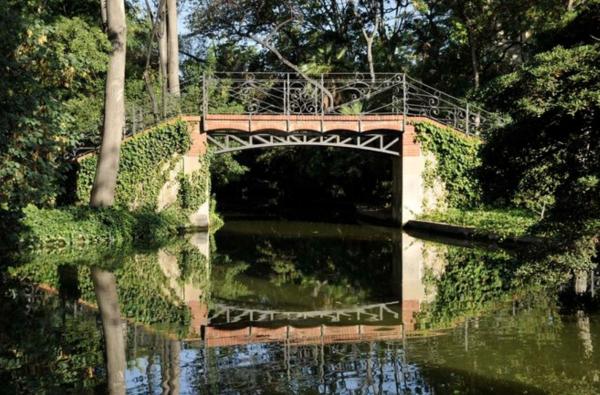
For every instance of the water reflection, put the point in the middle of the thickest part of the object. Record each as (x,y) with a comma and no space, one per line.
(280,308)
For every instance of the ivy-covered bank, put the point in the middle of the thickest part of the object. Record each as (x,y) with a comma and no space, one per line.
(456,164)
(157,192)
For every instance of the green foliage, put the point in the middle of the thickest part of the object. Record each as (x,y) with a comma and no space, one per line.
(456,161)
(80,226)
(502,222)
(225,169)
(145,163)
(473,281)
(194,189)
(53,69)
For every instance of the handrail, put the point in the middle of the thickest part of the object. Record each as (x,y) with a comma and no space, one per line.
(288,93)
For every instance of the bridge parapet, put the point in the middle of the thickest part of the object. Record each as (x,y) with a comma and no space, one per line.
(289,101)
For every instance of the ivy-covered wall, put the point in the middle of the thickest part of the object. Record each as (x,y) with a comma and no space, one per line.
(144,166)
(456,159)
(153,173)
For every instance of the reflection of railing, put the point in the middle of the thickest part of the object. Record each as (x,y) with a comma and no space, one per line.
(368,313)
(338,93)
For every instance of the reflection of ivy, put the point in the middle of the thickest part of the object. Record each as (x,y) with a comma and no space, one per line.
(143,294)
(44,337)
(472,279)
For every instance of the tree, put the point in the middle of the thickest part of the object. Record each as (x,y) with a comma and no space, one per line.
(548,157)
(105,181)
(103,190)
(173,47)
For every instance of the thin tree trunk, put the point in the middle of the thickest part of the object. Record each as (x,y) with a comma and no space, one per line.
(475,64)
(474,59)
(163,53)
(105,180)
(105,287)
(173,47)
(369,40)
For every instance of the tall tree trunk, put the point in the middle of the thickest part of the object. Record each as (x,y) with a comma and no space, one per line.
(475,64)
(105,180)
(163,54)
(105,287)
(173,47)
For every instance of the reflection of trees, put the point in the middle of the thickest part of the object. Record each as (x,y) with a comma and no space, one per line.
(105,287)
(311,271)
(144,296)
(45,346)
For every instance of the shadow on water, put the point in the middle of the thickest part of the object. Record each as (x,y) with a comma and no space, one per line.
(292,307)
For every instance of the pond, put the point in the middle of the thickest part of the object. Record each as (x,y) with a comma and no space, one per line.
(291,307)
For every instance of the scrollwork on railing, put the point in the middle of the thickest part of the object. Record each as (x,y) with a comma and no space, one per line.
(339,93)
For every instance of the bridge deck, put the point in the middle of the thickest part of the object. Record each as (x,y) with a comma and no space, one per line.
(293,123)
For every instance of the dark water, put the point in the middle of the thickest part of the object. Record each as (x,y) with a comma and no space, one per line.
(285,307)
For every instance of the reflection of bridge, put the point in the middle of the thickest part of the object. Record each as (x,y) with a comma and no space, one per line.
(367,313)
(293,335)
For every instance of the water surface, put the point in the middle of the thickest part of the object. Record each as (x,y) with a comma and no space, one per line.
(287,307)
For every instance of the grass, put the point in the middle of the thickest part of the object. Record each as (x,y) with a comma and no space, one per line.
(503,222)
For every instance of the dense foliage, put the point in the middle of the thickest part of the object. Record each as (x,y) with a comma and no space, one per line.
(81,226)
(456,157)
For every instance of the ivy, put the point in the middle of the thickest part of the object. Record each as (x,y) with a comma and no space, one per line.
(456,162)
(82,226)
(194,189)
(144,166)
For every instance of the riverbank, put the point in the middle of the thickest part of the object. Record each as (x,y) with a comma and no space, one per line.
(81,226)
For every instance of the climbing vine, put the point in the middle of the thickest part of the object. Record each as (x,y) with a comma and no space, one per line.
(194,189)
(456,161)
(144,166)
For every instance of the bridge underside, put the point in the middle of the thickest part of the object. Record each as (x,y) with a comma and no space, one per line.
(385,143)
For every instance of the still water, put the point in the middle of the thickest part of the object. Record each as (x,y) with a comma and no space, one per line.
(288,307)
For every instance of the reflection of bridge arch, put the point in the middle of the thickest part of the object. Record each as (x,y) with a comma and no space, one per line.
(371,313)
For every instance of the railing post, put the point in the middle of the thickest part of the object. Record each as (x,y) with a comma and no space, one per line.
(283,109)
(467,119)
(204,96)
(404,102)
(287,109)
(322,95)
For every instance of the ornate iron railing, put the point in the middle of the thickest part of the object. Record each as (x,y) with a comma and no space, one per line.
(283,93)
(339,93)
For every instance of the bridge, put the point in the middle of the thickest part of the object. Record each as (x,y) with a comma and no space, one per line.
(242,111)
(346,110)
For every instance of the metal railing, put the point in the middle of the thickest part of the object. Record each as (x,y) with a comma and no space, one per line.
(282,93)
(339,94)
